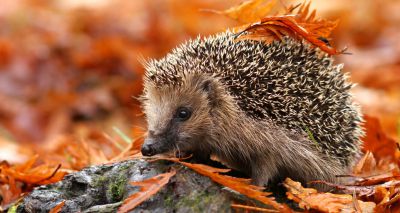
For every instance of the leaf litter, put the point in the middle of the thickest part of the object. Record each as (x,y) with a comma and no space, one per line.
(375,182)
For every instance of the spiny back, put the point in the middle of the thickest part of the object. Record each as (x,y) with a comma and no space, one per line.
(286,82)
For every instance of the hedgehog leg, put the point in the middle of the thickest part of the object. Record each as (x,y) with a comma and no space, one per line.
(307,165)
(202,157)
(263,173)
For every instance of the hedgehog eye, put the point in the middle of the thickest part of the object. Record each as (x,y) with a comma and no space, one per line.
(183,113)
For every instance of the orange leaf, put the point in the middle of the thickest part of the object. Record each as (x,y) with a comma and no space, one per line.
(148,188)
(377,141)
(290,27)
(367,164)
(9,192)
(309,198)
(393,201)
(370,172)
(248,11)
(381,195)
(322,28)
(240,185)
(28,164)
(42,174)
(97,156)
(299,25)
(252,208)
(130,151)
(58,207)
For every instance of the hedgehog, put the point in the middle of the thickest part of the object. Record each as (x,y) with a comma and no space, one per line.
(270,110)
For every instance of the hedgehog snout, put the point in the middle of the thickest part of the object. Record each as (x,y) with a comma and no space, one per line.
(148,147)
(155,145)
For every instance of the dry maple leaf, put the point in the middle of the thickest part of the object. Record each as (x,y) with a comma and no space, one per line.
(240,185)
(147,189)
(309,198)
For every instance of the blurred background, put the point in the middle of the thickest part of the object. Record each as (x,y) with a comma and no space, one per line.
(70,70)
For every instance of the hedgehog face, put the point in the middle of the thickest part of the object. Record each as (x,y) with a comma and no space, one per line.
(178,116)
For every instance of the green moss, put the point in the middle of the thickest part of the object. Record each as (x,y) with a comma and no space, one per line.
(125,167)
(196,201)
(100,181)
(114,185)
(169,202)
(116,188)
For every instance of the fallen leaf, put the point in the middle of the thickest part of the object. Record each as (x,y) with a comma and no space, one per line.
(275,27)
(377,141)
(41,174)
(381,195)
(309,198)
(58,207)
(252,208)
(366,165)
(147,189)
(131,151)
(240,185)
(297,22)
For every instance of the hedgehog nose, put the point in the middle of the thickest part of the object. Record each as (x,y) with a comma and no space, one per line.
(147,149)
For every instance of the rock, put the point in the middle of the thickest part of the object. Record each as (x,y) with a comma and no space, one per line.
(103,188)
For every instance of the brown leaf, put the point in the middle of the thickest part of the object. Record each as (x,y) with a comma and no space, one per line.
(309,198)
(148,188)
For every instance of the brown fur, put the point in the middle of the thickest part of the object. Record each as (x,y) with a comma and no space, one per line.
(217,126)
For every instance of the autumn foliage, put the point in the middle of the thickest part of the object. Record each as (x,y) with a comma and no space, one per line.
(68,74)
(148,188)
(297,22)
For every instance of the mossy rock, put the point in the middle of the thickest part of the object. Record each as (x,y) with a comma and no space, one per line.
(103,188)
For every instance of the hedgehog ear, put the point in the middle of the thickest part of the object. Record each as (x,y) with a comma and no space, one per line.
(210,87)
(206,86)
